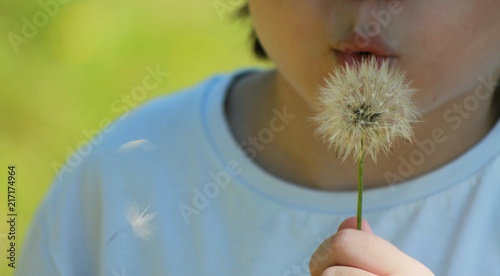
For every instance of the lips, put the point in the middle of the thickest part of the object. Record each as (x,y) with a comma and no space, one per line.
(353,49)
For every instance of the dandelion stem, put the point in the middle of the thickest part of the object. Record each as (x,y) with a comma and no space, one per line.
(361,164)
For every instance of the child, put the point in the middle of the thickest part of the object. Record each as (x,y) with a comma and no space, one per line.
(229,178)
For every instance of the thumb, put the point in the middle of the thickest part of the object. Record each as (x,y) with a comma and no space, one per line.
(352,223)
(327,254)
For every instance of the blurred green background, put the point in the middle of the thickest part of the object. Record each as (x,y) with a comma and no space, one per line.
(63,64)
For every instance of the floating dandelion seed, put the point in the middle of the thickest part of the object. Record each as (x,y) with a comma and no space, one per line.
(362,110)
(138,221)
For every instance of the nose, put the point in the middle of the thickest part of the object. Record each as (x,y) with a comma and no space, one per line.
(372,18)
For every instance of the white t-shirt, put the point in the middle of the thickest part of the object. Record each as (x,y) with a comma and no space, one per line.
(166,190)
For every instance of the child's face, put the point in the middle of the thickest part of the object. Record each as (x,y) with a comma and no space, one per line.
(443,45)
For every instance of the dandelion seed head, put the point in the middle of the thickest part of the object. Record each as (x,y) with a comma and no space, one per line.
(366,106)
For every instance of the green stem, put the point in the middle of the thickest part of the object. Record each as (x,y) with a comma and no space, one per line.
(361,163)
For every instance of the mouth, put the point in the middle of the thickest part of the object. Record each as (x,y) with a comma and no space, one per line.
(353,49)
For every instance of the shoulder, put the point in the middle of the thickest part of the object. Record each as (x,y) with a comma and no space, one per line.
(159,126)
(171,129)
(173,118)
(164,116)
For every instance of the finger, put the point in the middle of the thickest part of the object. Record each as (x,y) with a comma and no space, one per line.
(322,257)
(345,271)
(371,253)
(352,222)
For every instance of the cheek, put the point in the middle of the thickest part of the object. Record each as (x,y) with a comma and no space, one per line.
(294,37)
(447,55)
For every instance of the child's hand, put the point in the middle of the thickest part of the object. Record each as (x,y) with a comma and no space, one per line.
(360,253)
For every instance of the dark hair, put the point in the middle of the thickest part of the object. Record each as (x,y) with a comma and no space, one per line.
(258,50)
